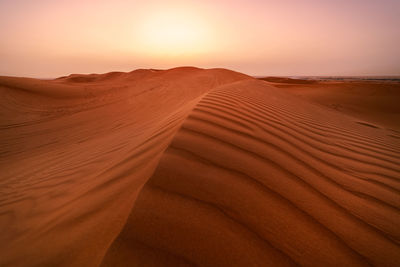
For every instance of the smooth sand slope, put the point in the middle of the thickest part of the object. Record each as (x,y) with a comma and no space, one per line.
(191,167)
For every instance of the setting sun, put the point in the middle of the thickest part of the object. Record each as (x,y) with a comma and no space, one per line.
(173,31)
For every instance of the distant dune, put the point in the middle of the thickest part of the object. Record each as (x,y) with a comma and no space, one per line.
(374,101)
(286,80)
(198,167)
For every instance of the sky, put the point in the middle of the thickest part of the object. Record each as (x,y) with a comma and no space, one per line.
(51,38)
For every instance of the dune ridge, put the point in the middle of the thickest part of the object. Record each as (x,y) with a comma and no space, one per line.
(191,167)
(72,167)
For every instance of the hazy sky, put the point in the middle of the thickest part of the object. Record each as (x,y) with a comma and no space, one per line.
(49,38)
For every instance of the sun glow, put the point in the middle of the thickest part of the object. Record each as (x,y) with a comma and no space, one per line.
(174,32)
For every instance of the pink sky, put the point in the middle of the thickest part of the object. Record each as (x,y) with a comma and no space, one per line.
(44,38)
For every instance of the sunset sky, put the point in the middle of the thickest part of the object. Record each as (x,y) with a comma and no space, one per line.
(50,38)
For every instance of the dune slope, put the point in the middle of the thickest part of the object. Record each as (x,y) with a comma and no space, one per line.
(74,154)
(373,101)
(256,177)
(190,167)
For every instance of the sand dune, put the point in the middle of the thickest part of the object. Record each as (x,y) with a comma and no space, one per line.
(372,101)
(192,167)
(284,80)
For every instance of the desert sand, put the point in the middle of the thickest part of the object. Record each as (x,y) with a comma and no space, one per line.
(198,167)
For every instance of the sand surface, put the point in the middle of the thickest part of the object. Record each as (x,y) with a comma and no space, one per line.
(195,167)
(375,102)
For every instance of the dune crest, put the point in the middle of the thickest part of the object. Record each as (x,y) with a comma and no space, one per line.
(191,167)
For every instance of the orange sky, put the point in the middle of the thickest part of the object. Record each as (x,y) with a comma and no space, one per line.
(47,38)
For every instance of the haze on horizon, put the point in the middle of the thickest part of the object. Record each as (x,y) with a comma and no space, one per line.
(47,38)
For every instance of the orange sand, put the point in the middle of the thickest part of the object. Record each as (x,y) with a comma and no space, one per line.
(198,167)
